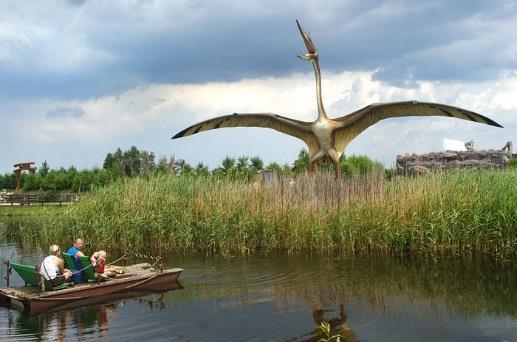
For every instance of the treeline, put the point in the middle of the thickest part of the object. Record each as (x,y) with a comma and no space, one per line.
(58,180)
(140,163)
(134,162)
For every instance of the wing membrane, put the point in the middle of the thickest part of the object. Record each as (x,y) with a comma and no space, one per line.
(356,122)
(295,128)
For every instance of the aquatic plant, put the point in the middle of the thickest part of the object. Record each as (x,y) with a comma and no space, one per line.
(324,328)
(462,212)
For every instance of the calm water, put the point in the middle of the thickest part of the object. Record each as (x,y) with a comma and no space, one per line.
(283,298)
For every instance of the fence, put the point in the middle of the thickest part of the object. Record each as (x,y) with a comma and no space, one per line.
(35,199)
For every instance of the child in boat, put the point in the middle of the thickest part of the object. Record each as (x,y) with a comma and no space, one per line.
(53,267)
(98,261)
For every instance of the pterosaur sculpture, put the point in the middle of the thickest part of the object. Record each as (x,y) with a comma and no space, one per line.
(326,136)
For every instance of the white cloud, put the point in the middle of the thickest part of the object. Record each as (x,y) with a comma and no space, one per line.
(138,114)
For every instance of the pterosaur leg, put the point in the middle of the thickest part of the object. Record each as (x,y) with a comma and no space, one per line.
(335,160)
(313,160)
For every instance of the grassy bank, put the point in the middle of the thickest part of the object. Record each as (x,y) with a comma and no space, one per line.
(463,212)
(27,211)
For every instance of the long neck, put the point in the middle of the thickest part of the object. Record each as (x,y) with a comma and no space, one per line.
(321,110)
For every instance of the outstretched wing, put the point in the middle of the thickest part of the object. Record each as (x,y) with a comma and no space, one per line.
(353,124)
(295,128)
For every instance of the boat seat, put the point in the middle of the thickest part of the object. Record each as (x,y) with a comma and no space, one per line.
(31,276)
(85,261)
(27,273)
(69,261)
(87,268)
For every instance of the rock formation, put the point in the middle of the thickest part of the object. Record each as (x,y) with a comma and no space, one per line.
(435,161)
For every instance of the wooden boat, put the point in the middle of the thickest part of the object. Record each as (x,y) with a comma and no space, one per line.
(136,279)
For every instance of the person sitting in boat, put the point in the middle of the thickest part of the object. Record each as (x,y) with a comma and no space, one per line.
(53,267)
(98,261)
(75,252)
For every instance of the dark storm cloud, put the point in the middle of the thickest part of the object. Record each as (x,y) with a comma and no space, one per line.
(101,48)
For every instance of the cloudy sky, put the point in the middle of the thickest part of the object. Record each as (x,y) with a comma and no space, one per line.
(80,78)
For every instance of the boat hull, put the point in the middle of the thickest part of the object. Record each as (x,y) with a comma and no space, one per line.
(91,293)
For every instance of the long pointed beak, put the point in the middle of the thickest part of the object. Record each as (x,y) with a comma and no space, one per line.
(311,49)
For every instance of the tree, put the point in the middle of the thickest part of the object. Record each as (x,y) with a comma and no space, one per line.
(43,170)
(31,181)
(8,181)
(228,164)
(275,167)
(163,166)
(109,161)
(202,170)
(118,162)
(187,170)
(256,163)
(287,170)
(147,162)
(300,164)
(359,165)
(82,181)
(242,163)
(132,162)
(170,165)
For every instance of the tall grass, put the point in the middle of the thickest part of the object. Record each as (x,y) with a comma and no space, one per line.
(464,212)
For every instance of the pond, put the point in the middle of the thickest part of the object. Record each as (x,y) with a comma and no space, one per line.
(284,298)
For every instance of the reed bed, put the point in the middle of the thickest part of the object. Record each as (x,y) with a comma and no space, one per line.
(465,212)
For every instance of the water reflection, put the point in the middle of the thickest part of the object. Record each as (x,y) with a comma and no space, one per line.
(61,325)
(337,323)
(462,287)
(91,321)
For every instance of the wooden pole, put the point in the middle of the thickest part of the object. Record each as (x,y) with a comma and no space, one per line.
(7,272)
(18,173)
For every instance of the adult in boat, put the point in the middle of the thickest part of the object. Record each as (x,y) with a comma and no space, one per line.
(53,267)
(75,252)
